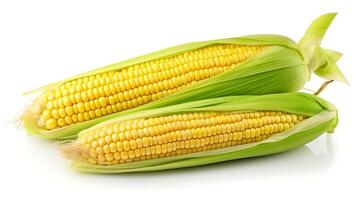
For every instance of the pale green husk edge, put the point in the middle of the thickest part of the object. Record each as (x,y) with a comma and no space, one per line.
(322,117)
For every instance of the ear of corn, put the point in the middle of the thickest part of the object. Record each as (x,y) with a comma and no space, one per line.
(202,132)
(255,64)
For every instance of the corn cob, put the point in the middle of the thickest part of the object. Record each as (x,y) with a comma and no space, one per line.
(201,132)
(110,92)
(179,134)
(256,64)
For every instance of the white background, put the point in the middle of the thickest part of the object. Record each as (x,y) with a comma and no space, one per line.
(45,41)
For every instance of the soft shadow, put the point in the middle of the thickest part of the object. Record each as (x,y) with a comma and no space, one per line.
(312,159)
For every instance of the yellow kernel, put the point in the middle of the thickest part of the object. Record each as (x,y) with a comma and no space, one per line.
(87,106)
(137,153)
(126,145)
(128,135)
(124,155)
(109,156)
(158,149)
(107,90)
(91,94)
(281,127)
(51,123)
(104,111)
(106,148)
(139,142)
(80,107)
(84,96)
(68,120)
(293,118)
(131,154)
(277,119)
(286,126)
(78,97)
(239,135)
(101,142)
(111,100)
(121,136)
(102,102)
(80,117)
(61,122)
(117,156)
(67,101)
(55,114)
(46,114)
(145,142)
(60,103)
(97,104)
(69,110)
(119,146)
(283,118)
(113,147)
(98,112)
(133,144)
(115,137)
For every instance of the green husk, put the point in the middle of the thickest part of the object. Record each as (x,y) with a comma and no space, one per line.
(285,66)
(321,61)
(322,118)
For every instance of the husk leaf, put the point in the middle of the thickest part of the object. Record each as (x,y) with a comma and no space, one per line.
(321,61)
